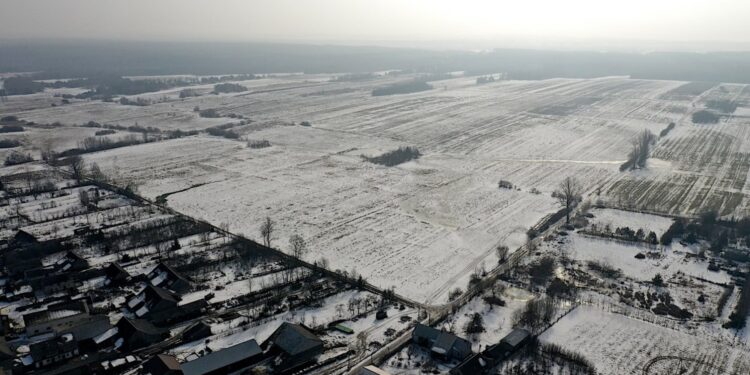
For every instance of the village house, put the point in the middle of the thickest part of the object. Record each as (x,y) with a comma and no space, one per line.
(137,333)
(443,345)
(166,277)
(292,346)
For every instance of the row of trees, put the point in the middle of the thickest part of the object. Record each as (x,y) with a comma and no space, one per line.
(705,117)
(639,151)
(738,318)
(403,88)
(228,88)
(9,143)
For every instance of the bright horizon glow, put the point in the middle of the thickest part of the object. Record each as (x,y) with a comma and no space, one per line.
(379,20)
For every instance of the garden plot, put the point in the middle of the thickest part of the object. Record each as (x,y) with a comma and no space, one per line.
(497,320)
(620,345)
(633,220)
(672,259)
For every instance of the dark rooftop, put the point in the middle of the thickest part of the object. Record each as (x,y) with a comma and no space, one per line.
(295,339)
(221,358)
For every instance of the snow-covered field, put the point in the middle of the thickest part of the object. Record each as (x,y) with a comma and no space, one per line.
(425,225)
(617,344)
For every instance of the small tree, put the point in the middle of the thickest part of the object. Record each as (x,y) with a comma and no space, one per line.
(77,167)
(298,246)
(502,253)
(47,149)
(266,231)
(96,174)
(658,280)
(568,193)
(83,196)
(362,342)
(454,294)
(475,324)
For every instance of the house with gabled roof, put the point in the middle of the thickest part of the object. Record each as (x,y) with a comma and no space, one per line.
(71,262)
(292,346)
(166,277)
(137,333)
(442,344)
(115,274)
(161,306)
(225,361)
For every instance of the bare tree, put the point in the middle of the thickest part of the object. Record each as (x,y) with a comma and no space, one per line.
(362,341)
(249,283)
(77,167)
(298,246)
(266,231)
(640,147)
(502,253)
(162,248)
(47,149)
(83,196)
(96,173)
(568,193)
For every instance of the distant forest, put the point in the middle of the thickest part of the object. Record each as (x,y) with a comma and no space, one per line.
(84,59)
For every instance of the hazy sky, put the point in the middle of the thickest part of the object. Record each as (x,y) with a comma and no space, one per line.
(378,20)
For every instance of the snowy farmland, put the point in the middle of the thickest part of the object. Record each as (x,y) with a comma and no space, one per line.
(425,225)
(617,344)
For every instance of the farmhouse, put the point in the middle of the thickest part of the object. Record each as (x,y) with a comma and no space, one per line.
(233,358)
(293,346)
(48,281)
(23,237)
(442,344)
(197,331)
(138,333)
(165,277)
(482,363)
(71,262)
(155,304)
(53,351)
(116,275)
(510,343)
(68,318)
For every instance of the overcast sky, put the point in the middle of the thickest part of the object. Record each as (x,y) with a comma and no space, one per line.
(379,20)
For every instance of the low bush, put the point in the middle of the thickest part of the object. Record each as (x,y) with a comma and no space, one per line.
(11,129)
(16,158)
(402,88)
(229,88)
(222,132)
(258,144)
(395,157)
(209,113)
(9,143)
